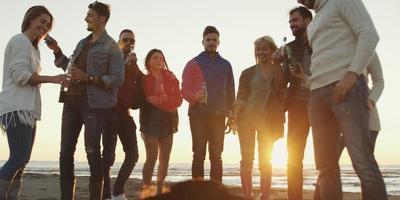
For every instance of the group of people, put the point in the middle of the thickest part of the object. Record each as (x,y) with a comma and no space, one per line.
(324,88)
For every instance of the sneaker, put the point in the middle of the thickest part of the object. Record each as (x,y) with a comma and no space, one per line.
(119,197)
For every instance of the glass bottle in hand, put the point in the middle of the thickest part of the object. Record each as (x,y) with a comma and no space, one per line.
(204,99)
(68,71)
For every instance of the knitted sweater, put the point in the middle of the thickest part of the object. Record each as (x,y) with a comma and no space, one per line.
(21,60)
(343,38)
(374,69)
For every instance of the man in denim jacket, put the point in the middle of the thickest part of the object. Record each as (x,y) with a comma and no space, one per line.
(96,69)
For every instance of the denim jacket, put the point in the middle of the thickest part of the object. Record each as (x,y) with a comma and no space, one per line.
(104,59)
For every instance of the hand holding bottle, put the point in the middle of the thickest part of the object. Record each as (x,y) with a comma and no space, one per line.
(280,54)
(52,44)
(163,95)
(231,125)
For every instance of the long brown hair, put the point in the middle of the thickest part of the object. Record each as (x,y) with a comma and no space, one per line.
(148,56)
(30,15)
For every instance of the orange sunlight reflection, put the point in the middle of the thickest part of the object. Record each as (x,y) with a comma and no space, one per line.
(279,154)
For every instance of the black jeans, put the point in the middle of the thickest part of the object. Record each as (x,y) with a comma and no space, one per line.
(207,128)
(75,114)
(119,124)
(298,129)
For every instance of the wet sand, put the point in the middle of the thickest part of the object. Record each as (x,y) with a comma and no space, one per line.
(46,187)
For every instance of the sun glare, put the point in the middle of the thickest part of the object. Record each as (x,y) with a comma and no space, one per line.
(279,154)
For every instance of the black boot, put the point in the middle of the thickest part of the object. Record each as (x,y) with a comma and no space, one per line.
(96,190)
(67,189)
(4,186)
(13,192)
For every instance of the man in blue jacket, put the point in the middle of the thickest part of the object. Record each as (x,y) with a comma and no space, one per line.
(208,86)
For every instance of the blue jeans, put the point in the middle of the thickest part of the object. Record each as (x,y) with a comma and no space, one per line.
(341,146)
(20,141)
(372,136)
(351,118)
(207,128)
(119,124)
(75,114)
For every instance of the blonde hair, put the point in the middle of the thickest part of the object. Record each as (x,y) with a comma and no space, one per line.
(266,39)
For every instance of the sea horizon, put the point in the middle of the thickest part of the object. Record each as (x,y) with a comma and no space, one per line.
(231,176)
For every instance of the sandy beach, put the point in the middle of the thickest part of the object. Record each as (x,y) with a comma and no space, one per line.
(45,187)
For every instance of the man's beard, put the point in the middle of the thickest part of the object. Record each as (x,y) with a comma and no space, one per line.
(312,4)
(211,49)
(127,49)
(90,28)
(298,32)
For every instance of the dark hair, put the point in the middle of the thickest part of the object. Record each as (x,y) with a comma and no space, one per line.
(101,9)
(210,29)
(126,31)
(30,15)
(148,56)
(304,12)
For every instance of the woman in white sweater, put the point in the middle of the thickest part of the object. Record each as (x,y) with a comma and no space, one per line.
(20,104)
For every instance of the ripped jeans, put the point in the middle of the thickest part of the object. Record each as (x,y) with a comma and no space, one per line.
(75,114)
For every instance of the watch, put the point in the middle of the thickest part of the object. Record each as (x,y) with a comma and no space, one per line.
(90,79)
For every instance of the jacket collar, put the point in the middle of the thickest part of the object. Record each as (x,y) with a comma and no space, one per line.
(204,54)
(102,39)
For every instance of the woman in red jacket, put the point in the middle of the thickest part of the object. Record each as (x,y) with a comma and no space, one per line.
(159,117)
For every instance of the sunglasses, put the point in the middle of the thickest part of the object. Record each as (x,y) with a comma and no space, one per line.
(125,40)
(94,4)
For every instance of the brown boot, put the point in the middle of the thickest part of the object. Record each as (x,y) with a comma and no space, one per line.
(160,186)
(317,195)
(4,187)
(96,190)
(265,183)
(247,184)
(13,191)
(67,188)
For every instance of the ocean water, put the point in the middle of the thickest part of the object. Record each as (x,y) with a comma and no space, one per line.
(181,172)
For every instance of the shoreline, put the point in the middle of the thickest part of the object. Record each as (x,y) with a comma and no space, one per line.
(46,187)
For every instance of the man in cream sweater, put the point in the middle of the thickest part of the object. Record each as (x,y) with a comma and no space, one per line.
(343,38)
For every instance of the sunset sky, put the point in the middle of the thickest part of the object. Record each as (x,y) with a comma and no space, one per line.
(175,27)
